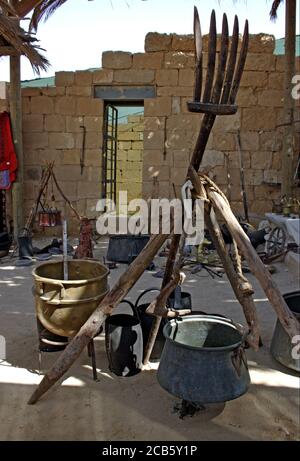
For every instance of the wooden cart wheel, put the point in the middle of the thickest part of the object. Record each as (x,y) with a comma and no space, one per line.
(276,241)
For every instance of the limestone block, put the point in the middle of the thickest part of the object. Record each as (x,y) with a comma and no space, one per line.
(89,189)
(178,139)
(102,76)
(254,177)
(276,81)
(184,122)
(272,177)
(73,124)
(230,123)
(261,160)
(183,42)
(135,118)
(89,106)
(124,145)
(181,157)
(234,160)
(160,106)
(224,141)
(26,109)
(148,60)
(128,136)
(33,122)
(246,97)
(93,123)
(71,156)
(161,172)
(64,78)
(65,105)
(69,188)
(134,156)
(79,91)
(116,60)
(186,77)
(270,141)
(185,91)
(212,158)
(276,161)
(263,118)
(280,63)
(255,79)
(54,91)
(178,175)
(270,98)
(83,78)
(167,77)
(55,123)
(260,62)
(249,141)
(176,105)
(179,60)
(154,139)
(134,76)
(261,43)
(61,140)
(33,140)
(157,42)
(93,140)
(41,105)
(154,123)
(137,145)
(154,157)
(31,91)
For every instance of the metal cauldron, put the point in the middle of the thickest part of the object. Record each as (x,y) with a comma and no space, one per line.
(63,306)
(281,345)
(203,359)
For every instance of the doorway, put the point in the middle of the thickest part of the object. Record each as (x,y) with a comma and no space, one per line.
(122,162)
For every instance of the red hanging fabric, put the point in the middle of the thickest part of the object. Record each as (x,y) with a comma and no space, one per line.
(8,158)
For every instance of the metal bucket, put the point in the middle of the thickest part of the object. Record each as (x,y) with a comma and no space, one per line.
(125,248)
(179,299)
(124,343)
(203,359)
(63,306)
(146,324)
(281,345)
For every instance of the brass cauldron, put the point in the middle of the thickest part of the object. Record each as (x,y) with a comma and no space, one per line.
(63,306)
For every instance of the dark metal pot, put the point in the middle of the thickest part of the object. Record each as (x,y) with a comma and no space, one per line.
(124,343)
(203,359)
(281,345)
(124,248)
(179,299)
(48,341)
(146,324)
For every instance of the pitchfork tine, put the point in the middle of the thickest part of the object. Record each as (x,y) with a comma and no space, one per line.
(231,62)
(198,48)
(212,48)
(222,62)
(241,65)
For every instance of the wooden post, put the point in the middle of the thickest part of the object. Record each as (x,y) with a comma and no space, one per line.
(289,102)
(15,102)
(285,316)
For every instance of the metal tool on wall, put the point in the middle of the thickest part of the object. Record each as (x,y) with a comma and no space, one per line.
(82,155)
(241,160)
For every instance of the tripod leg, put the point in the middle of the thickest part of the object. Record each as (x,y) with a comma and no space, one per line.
(91,352)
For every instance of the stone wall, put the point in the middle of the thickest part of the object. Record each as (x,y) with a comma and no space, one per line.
(53,116)
(130,156)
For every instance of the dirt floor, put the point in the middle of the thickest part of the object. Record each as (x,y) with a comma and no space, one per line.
(137,408)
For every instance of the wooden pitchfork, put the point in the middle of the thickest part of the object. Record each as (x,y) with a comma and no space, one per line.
(222,81)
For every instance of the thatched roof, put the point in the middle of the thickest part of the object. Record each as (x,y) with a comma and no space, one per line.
(12,35)
(43,11)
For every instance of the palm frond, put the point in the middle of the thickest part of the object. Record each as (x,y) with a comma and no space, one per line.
(13,35)
(44,11)
(273,12)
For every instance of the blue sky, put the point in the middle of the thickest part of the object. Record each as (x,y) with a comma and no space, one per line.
(77,34)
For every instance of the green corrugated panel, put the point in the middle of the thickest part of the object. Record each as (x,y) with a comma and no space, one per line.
(279,46)
(38,82)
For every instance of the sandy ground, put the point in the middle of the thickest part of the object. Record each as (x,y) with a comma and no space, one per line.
(137,408)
